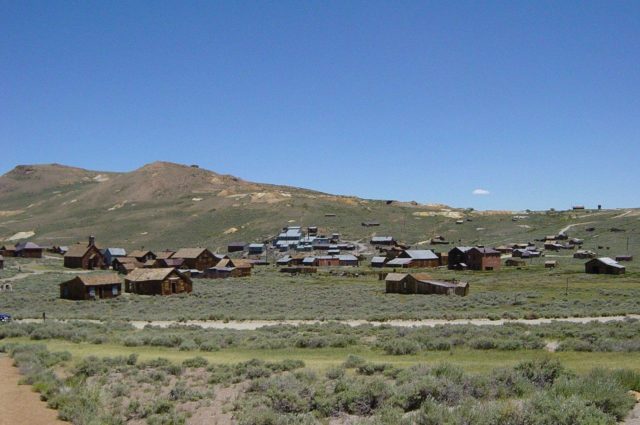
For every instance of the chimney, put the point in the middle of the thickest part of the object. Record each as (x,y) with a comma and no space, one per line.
(92,240)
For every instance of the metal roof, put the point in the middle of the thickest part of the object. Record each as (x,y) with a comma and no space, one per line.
(399,261)
(609,262)
(421,254)
(116,252)
(347,257)
(382,238)
(378,259)
(141,275)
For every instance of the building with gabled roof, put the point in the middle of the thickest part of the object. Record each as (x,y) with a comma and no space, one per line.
(91,287)
(142,255)
(196,258)
(28,250)
(87,257)
(111,254)
(164,281)
(481,258)
(421,283)
(603,265)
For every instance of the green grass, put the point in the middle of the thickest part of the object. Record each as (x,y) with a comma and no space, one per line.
(476,361)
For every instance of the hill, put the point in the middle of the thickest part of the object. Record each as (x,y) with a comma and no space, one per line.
(169,205)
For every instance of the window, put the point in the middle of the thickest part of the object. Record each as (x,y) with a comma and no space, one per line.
(114,290)
(92,292)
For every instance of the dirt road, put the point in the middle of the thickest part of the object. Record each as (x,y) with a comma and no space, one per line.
(19,405)
(255,324)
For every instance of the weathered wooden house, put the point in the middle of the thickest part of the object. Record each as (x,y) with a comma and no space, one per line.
(348,260)
(28,250)
(177,263)
(483,259)
(550,264)
(125,265)
(458,255)
(603,265)
(419,283)
(165,254)
(82,256)
(8,251)
(142,255)
(378,261)
(196,258)
(91,287)
(230,268)
(165,281)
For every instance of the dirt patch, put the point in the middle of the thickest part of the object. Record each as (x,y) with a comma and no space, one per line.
(552,346)
(19,405)
(21,235)
(219,412)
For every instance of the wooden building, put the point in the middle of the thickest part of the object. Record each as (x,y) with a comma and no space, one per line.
(160,263)
(91,287)
(458,255)
(230,268)
(81,256)
(585,254)
(550,264)
(348,260)
(125,265)
(515,262)
(382,240)
(236,246)
(603,265)
(28,250)
(378,261)
(420,283)
(165,281)
(164,254)
(1,262)
(142,255)
(327,261)
(111,254)
(420,257)
(624,257)
(8,251)
(197,258)
(483,259)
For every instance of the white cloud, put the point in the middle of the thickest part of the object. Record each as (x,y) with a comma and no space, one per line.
(480,192)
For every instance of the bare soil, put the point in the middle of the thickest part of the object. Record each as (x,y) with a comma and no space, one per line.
(19,405)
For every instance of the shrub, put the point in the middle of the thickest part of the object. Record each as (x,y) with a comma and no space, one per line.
(195,362)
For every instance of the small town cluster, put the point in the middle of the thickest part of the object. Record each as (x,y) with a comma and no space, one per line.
(169,272)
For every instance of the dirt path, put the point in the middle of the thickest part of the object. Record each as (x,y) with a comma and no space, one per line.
(256,324)
(19,405)
(565,229)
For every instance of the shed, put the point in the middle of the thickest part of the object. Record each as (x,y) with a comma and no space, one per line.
(236,246)
(584,254)
(624,257)
(91,287)
(382,240)
(165,281)
(603,265)
(256,248)
(378,261)
(550,264)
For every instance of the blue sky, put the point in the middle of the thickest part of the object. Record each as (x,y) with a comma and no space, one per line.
(536,102)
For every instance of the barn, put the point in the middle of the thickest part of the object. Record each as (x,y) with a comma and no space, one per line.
(196,258)
(165,281)
(28,250)
(81,256)
(91,287)
(603,265)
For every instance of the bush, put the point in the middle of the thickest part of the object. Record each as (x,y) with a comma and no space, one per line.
(195,362)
